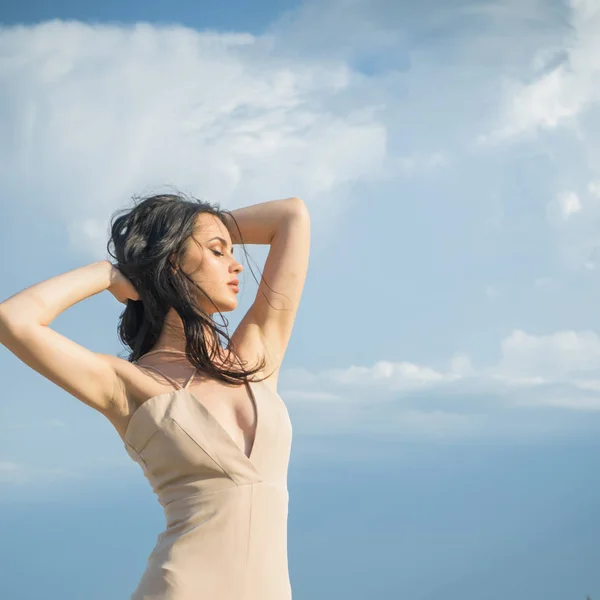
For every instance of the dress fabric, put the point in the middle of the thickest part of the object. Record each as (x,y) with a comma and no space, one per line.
(225,535)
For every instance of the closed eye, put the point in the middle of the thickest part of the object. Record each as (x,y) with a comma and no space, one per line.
(217,253)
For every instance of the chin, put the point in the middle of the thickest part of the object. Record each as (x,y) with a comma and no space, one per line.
(228,305)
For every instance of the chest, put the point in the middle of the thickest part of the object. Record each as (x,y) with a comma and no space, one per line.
(233,408)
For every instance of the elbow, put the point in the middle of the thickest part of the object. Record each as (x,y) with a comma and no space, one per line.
(299,208)
(12,318)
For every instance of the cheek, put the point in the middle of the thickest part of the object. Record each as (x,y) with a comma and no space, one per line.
(198,267)
(210,270)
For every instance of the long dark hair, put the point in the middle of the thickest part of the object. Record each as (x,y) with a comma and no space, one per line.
(145,238)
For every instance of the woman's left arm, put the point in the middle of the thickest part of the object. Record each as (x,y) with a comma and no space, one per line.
(285,226)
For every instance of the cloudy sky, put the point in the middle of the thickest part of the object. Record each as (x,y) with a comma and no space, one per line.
(443,377)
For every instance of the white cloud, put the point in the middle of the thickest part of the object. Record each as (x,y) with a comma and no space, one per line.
(526,359)
(460,366)
(569,204)
(544,282)
(542,373)
(563,356)
(594,188)
(574,220)
(13,474)
(435,424)
(555,356)
(546,103)
(492,291)
(416,164)
(9,468)
(401,375)
(562,92)
(102,112)
(312,396)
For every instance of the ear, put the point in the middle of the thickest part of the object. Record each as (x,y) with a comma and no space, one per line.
(173,262)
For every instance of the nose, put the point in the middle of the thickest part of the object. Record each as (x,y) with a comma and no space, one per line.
(237,266)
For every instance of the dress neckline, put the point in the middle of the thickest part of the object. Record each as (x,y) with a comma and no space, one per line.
(208,414)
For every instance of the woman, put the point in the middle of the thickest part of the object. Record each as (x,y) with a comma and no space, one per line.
(203,420)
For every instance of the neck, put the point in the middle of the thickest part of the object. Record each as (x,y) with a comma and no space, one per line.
(172,336)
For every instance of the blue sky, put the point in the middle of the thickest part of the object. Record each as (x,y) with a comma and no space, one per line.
(443,377)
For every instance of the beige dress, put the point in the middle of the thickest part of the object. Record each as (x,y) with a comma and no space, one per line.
(225,536)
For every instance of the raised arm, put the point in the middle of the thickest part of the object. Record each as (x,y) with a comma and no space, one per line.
(285,226)
(24,330)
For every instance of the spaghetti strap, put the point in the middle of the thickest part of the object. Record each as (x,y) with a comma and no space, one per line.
(168,351)
(185,387)
(177,385)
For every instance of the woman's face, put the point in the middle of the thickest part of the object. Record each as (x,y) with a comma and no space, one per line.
(209,261)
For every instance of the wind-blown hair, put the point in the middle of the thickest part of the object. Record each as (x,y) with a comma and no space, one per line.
(145,238)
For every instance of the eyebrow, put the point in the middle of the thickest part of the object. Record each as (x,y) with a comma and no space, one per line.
(224,242)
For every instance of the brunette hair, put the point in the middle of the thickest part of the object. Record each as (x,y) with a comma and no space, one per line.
(145,238)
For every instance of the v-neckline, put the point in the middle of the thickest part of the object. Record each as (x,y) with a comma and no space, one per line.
(208,414)
(174,393)
(216,421)
(185,388)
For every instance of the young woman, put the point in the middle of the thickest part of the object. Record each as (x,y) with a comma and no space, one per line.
(203,419)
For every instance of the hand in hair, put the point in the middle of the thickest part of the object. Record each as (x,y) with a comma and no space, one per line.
(121,287)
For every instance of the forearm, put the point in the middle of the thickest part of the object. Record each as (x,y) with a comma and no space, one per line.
(43,302)
(258,223)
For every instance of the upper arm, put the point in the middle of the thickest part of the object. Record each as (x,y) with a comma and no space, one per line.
(89,376)
(269,321)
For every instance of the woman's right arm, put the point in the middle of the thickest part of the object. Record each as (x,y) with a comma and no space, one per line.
(25,317)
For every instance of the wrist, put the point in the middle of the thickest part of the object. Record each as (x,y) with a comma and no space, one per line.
(259,222)
(111,272)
